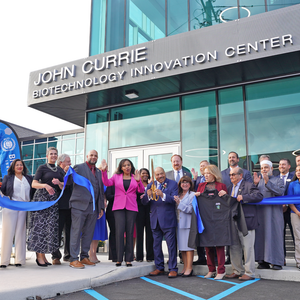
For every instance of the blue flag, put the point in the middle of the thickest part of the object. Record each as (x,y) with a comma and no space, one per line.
(9,147)
(200,225)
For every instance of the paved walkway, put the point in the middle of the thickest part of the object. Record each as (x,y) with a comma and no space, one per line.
(30,280)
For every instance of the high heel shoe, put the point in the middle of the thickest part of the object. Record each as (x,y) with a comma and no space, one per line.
(118,264)
(47,263)
(220,276)
(210,275)
(188,275)
(41,265)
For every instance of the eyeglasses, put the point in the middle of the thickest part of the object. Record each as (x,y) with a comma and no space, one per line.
(233,174)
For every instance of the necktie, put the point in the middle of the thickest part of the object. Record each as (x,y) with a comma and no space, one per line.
(177,177)
(202,179)
(233,190)
(283,178)
(160,186)
(94,171)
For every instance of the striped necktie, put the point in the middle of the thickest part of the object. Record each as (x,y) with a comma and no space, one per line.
(233,190)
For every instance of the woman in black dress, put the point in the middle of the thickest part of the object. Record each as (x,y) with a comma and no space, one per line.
(43,224)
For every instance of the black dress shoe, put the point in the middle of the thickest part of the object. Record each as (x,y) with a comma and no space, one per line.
(3,266)
(276,267)
(188,275)
(129,265)
(18,265)
(263,265)
(41,265)
(118,264)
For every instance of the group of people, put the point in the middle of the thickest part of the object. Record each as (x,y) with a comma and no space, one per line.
(169,207)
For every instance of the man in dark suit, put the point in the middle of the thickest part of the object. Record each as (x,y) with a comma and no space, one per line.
(286,176)
(178,170)
(163,220)
(83,216)
(244,192)
(233,160)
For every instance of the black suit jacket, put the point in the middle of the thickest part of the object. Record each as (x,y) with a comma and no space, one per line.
(7,187)
(251,194)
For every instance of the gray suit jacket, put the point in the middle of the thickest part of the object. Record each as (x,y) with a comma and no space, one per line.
(185,172)
(81,197)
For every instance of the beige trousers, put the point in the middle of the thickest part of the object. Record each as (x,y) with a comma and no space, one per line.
(296,229)
(13,225)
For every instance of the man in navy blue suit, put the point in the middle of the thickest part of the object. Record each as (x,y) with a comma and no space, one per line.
(163,221)
(233,160)
(286,176)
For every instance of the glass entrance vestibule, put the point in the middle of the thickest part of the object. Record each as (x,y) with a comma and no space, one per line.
(252,119)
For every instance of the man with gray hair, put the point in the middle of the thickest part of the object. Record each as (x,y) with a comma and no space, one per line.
(269,234)
(64,162)
(244,192)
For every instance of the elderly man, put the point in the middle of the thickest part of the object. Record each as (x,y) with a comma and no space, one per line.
(163,221)
(64,162)
(244,192)
(178,170)
(269,234)
(84,217)
(233,160)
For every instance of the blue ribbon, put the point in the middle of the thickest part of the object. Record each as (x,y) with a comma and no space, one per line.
(280,200)
(35,206)
(199,220)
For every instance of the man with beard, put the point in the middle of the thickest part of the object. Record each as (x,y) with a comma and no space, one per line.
(233,160)
(269,234)
(83,216)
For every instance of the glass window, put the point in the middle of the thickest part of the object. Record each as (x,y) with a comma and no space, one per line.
(68,147)
(41,140)
(115,25)
(79,146)
(273,117)
(146,123)
(97,38)
(40,150)
(55,145)
(27,152)
(80,134)
(37,163)
(99,116)
(199,129)
(68,136)
(207,13)
(252,8)
(79,160)
(54,138)
(177,16)
(28,164)
(28,142)
(145,21)
(232,125)
(276,4)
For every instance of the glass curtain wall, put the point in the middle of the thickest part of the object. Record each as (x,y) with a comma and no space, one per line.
(232,125)
(273,117)
(120,23)
(199,129)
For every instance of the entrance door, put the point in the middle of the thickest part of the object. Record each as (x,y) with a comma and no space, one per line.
(141,156)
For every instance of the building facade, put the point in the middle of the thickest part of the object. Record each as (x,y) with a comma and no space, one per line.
(198,78)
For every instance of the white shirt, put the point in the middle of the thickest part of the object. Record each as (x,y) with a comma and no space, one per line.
(21,189)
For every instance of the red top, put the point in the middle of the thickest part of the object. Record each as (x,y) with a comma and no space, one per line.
(219,186)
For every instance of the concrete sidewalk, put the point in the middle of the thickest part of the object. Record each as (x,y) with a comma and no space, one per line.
(30,280)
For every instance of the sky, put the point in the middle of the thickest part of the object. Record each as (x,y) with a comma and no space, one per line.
(38,34)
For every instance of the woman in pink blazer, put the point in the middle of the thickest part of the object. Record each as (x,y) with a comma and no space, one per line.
(127,183)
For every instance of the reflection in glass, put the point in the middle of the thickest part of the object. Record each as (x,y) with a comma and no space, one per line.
(79,146)
(146,123)
(27,152)
(97,138)
(199,129)
(273,116)
(40,150)
(28,164)
(232,125)
(37,163)
(68,147)
(255,7)
(160,160)
(276,4)
(177,17)
(207,13)
(68,136)
(79,160)
(145,21)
